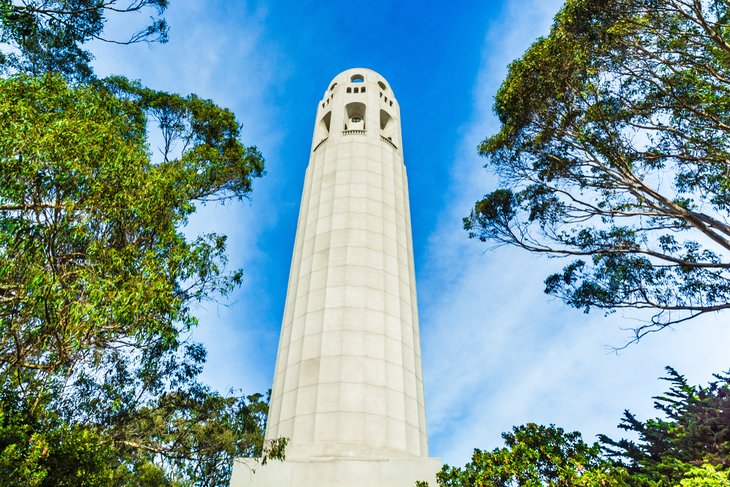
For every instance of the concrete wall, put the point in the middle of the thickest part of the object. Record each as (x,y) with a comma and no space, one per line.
(348,378)
(348,386)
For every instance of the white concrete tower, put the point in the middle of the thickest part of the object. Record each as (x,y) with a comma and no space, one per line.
(348,386)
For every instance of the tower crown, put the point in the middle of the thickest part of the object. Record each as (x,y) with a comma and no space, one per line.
(360,102)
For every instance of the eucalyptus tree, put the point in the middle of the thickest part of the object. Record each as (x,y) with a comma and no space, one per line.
(98,281)
(47,36)
(687,446)
(614,149)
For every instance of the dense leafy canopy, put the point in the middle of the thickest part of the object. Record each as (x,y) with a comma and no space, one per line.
(615,148)
(98,381)
(695,432)
(534,456)
(186,437)
(689,447)
(93,254)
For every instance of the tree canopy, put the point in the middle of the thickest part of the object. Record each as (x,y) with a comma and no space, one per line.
(693,437)
(98,380)
(688,447)
(93,254)
(534,456)
(614,149)
(47,36)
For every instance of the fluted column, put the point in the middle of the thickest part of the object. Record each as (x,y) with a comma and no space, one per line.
(348,386)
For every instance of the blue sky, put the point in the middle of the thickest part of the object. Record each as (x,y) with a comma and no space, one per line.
(497,351)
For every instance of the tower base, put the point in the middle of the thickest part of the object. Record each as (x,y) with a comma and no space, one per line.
(335,472)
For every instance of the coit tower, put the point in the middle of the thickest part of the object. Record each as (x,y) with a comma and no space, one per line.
(348,386)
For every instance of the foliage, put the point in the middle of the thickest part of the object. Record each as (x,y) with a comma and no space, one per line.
(180,438)
(706,476)
(694,433)
(534,456)
(690,447)
(92,256)
(45,36)
(614,148)
(97,282)
(99,384)
(38,448)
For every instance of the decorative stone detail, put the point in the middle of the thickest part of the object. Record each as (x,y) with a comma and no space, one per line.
(390,142)
(320,144)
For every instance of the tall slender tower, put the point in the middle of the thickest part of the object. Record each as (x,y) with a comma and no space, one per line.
(348,387)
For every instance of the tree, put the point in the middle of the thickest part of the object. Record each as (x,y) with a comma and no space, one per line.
(614,148)
(705,476)
(93,257)
(184,437)
(46,36)
(689,446)
(98,384)
(97,281)
(535,456)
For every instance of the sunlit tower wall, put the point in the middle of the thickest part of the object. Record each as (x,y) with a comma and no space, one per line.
(348,383)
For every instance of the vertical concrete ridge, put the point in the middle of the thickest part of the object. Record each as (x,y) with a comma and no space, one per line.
(406,307)
(325,222)
(301,306)
(272,427)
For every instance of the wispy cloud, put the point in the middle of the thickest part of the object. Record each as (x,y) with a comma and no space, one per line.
(497,351)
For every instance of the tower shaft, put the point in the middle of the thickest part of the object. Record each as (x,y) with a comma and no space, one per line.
(348,384)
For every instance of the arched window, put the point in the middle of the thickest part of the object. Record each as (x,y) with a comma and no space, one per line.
(357,78)
(387,127)
(323,127)
(355,116)
(382,85)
